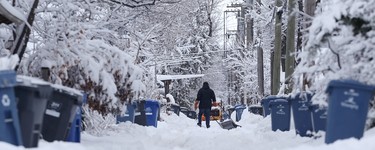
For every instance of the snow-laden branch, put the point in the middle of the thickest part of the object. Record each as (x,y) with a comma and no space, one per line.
(337,54)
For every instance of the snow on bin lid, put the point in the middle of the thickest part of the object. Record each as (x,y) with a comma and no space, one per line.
(152,102)
(255,105)
(30,81)
(348,83)
(69,90)
(8,63)
(239,106)
(280,100)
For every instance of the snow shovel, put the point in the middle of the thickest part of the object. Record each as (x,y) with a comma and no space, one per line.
(228,124)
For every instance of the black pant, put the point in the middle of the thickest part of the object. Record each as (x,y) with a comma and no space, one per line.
(207,114)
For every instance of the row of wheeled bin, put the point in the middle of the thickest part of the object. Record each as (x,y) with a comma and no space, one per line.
(31,109)
(142,112)
(345,116)
(237,109)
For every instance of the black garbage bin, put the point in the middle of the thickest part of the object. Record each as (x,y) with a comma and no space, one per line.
(175,108)
(140,113)
(189,113)
(32,95)
(60,112)
(256,109)
(230,111)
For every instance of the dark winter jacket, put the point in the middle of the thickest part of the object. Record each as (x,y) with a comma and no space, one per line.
(205,96)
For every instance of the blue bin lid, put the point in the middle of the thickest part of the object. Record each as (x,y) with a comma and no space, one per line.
(271,97)
(278,101)
(7,78)
(348,83)
(152,102)
(84,97)
(239,107)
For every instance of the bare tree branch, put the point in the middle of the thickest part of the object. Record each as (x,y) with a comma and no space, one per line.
(140,3)
(136,3)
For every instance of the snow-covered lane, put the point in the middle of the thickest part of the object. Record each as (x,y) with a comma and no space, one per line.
(182,133)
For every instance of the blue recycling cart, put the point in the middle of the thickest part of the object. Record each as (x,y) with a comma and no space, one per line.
(301,113)
(10,131)
(151,109)
(128,114)
(347,110)
(318,117)
(265,104)
(280,114)
(239,110)
(75,129)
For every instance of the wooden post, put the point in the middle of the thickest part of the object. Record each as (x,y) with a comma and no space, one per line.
(166,86)
(277,51)
(290,46)
(260,71)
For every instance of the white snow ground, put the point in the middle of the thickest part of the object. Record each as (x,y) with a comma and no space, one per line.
(182,133)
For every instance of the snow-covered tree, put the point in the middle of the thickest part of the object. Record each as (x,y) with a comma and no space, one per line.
(71,40)
(181,40)
(243,61)
(340,46)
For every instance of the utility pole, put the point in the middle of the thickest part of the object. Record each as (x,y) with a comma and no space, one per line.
(249,31)
(249,24)
(290,46)
(240,22)
(277,50)
(249,38)
(239,33)
(260,70)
